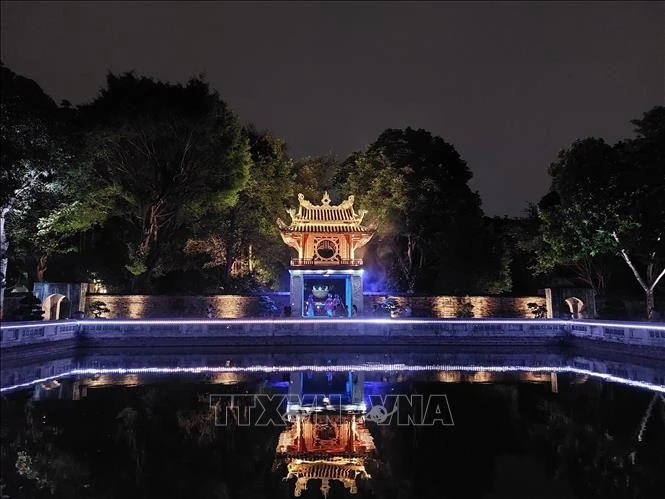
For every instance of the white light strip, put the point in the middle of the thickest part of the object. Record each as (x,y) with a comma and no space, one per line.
(393,321)
(308,321)
(338,368)
(40,324)
(659,326)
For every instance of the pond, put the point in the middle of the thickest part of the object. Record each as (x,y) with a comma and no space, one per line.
(359,423)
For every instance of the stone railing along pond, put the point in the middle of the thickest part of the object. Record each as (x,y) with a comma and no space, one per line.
(642,338)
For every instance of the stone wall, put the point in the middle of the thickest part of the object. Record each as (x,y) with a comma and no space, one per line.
(443,307)
(191,307)
(234,307)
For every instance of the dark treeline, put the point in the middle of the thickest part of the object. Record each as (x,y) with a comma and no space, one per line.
(156,187)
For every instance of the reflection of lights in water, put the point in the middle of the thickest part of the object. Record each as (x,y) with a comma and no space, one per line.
(342,368)
(50,384)
(343,469)
(536,377)
(225,378)
(481,377)
(449,377)
(130,380)
(98,380)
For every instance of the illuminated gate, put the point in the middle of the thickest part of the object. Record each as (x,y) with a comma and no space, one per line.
(326,277)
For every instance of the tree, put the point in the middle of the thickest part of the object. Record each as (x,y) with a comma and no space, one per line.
(162,157)
(610,200)
(32,154)
(313,175)
(246,244)
(430,224)
(516,239)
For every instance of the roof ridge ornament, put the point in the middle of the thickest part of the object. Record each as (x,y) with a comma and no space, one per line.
(325,217)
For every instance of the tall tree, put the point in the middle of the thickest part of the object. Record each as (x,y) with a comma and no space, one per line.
(415,188)
(611,200)
(32,154)
(162,158)
(314,175)
(245,243)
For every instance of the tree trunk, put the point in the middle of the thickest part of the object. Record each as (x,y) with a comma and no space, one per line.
(41,268)
(4,247)
(650,303)
(650,283)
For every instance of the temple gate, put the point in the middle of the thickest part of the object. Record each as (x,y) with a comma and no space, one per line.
(326,277)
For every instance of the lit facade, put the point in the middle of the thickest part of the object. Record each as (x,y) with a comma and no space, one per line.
(326,276)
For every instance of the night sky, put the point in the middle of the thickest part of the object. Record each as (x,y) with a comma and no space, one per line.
(509,84)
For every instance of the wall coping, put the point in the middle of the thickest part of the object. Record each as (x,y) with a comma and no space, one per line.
(330,331)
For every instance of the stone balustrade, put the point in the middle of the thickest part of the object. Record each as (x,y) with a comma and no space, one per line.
(335,332)
(32,333)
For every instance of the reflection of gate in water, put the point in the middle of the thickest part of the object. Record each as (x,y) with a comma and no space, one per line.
(326,438)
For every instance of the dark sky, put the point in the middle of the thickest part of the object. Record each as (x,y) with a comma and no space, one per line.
(509,84)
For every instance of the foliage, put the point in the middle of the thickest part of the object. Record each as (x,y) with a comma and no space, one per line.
(315,174)
(390,305)
(267,306)
(244,243)
(465,309)
(32,156)
(26,468)
(29,309)
(164,157)
(431,235)
(538,310)
(609,200)
(98,309)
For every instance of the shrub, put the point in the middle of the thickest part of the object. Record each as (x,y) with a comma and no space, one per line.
(390,305)
(29,309)
(98,308)
(267,305)
(465,310)
(539,311)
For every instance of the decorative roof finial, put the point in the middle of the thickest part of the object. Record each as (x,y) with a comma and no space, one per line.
(325,200)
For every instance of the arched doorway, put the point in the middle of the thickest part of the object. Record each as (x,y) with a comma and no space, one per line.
(576,307)
(56,307)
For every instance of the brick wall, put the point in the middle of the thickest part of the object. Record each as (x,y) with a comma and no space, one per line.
(448,306)
(229,306)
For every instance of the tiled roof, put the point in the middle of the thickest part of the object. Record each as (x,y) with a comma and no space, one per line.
(324,217)
(323,228)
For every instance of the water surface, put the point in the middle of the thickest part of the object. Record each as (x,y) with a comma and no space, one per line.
(147,423)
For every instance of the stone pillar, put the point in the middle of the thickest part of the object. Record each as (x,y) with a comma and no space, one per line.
(296,294)
(357,291)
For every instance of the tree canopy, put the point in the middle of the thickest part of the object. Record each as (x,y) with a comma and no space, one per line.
(430,224)
(33,156)
(243,241)
(610,200)
(157,159)
(156,186)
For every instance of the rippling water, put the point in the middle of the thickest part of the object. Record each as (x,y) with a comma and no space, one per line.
(457,423)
